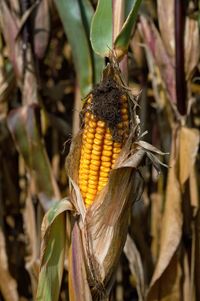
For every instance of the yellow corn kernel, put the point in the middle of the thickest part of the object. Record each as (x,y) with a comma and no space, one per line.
(101,124)
(83,182)
(100,130)
(97,147)
(108,136)
(93,182)
(96,162)
(124,111)
(87,156)
(94,167)
(97,141)
(84,188)
(104,169)
(92,186)
(117,144)
(116,150)
(90,135)
(89,140)
(89,196)
(115,156)
(92,124)
(93,118)
(98,136)
(96,152)
(93,177)
(87,146)
(91,130)
(86,161)
(106,164)
(107,153)
(92,191)
(103,175)
(105,159)
(108,142)
(95,157)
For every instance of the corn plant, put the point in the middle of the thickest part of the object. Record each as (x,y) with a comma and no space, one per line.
(82,85)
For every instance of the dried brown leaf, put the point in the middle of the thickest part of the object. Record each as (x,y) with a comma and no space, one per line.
(8,285)
(135,264)
(170,235)
(166,25)
(78,284)
(192,48)
(168,287)
(194,193)
(154,42)
(189,143)
(156,213)
(31,259)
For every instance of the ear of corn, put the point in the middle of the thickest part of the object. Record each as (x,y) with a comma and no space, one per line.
(100,149)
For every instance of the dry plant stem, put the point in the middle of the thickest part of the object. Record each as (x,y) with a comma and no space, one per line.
(179,46)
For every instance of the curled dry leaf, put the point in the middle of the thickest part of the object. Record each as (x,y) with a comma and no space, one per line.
(8,285)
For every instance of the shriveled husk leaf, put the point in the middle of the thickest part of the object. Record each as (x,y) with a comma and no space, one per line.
(55,242)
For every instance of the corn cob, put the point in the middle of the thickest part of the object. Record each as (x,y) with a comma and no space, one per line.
(100,148)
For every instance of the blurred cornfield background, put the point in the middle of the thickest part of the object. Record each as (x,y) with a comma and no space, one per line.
(45,56)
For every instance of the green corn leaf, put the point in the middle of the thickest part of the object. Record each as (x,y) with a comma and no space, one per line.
(70,14)
(122,40)
(87,12)
(101,28)
(54,244)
